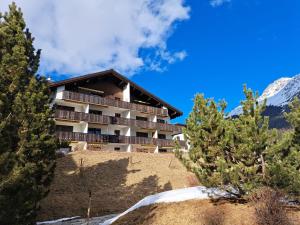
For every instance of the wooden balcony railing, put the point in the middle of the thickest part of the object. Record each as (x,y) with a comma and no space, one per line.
(105,138)
(168,127)
(97,100)
(103,119)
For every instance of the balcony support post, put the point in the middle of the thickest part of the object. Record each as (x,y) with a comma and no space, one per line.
(59,92)
(129,148)
(86,108)
(85,146)
(155,134)
(85,127)
(126,93)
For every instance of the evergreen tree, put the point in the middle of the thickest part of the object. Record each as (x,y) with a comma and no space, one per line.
(229,152)
(284,157)
(205,131)
(252,138)
(27,140)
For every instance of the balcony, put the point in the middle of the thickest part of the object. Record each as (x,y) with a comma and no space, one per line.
(102,119)
(105,138)
(97,100)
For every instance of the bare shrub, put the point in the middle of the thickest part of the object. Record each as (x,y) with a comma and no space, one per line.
(214,216)
(192,181)
(269,207)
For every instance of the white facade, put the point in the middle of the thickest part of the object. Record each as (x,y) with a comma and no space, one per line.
(181,137)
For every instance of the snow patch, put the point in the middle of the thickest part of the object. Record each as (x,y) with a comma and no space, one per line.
(178,195)
(58,220)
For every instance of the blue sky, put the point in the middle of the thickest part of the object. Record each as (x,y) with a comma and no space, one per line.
(244,41)
(173,48)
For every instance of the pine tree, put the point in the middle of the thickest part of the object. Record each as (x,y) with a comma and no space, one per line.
(230,152)
(284,157)
(294,119)
(205,131)
(27,140)
(252,138)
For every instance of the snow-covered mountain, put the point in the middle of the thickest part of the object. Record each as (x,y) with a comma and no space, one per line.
(278,94)
(274,88)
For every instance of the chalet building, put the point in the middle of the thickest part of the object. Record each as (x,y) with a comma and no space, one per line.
(107,111)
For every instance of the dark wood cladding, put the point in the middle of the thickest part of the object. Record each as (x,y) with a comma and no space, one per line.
(97,100)
(168,127)
(102,119)
(105,138)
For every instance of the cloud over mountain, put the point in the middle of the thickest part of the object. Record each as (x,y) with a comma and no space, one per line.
(83,36)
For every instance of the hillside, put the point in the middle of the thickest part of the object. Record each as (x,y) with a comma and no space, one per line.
(117,181)
(196,212)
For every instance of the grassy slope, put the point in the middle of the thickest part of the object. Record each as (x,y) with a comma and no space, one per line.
(117,181)
(196,212)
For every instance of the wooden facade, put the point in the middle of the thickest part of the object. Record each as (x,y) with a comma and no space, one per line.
(105,138)
(103,119)
(97,100)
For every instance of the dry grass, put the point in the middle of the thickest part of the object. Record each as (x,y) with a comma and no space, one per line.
(269,207)
(197,212)
(213,216)
(116,180)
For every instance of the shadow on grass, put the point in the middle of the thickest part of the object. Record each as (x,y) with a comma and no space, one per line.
(69,193)
(221,201)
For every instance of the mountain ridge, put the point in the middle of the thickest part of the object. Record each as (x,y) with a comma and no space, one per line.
(278,94)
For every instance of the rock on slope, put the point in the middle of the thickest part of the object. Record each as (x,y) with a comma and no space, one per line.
(278,94)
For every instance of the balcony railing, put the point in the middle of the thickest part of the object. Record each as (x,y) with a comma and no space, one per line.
(168,127)
(103,119)
(97,100)
(105,138)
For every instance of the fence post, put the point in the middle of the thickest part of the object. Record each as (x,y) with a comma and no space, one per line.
(89,207)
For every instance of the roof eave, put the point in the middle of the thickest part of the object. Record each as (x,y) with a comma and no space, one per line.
(116,74)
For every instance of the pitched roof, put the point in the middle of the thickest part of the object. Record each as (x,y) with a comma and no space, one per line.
(174,111)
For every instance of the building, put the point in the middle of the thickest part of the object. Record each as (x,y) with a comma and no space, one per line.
(107,111)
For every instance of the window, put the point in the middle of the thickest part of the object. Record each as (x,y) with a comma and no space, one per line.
(141,118)
(161,121)
(141,134)
(62,128)
(67,108)
(96,112)
(94,130)
(161,136)
(117,149)
(117,132)
(117,115)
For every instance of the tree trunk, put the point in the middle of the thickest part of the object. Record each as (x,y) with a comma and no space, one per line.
(263,166)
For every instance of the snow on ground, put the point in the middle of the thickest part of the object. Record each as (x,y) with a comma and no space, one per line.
(58,220)
(178,195)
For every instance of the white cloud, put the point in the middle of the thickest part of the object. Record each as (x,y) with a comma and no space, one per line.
(217,3)
(82,36)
